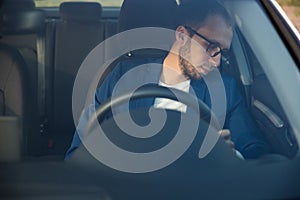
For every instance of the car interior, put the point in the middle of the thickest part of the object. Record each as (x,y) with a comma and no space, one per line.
(42,49)
(47,49)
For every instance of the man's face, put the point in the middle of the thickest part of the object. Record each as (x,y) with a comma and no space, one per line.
(195,61)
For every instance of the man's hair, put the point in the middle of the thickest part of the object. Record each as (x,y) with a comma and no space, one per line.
(194,13)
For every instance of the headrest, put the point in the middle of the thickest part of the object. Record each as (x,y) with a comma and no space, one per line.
(18,4)
(1,2)
(147,13)
(80,11)
(23,22)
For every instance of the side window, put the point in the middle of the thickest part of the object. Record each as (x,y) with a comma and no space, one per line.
(292,10)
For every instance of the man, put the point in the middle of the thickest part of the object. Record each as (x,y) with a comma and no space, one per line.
(203,34)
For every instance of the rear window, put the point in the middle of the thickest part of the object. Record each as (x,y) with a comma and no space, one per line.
(56,3)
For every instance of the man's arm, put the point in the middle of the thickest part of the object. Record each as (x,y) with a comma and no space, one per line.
(245,134)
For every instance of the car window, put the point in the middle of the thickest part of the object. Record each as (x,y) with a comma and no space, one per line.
(292,9)
(56,3)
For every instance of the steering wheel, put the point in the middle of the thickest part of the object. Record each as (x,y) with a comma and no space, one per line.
(170,142)
(153,90)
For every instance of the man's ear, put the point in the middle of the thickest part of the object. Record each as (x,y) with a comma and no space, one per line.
(181,35)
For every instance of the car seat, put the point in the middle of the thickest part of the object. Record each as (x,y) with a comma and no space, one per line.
(139,14)
(21,25)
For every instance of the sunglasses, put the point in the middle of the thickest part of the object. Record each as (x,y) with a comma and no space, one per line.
(213,49)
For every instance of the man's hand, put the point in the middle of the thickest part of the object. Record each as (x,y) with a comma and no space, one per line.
(225,133)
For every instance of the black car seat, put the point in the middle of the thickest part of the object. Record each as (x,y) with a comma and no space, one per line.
(155,13)
(271,118)
(267,110)
(139,14)
(79,31)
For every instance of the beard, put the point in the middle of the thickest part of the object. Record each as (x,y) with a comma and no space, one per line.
(187,69)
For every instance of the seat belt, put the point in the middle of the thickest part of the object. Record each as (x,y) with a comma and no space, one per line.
(41,93)
(243,66)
